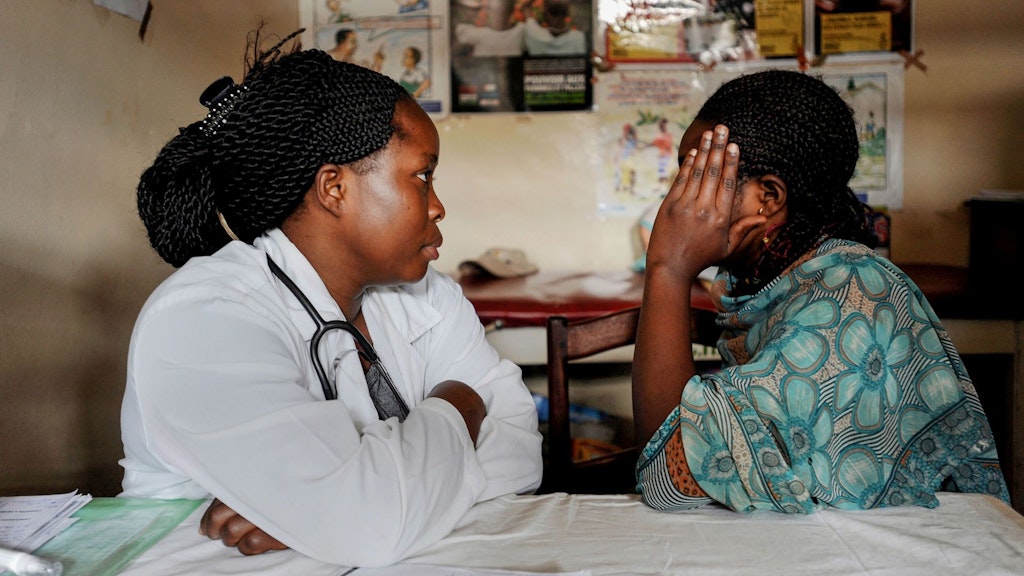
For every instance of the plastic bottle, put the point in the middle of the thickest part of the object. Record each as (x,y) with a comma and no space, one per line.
(25,564)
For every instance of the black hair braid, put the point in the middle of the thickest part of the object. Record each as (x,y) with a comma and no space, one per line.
(175,200)
(293,114)
(797,127)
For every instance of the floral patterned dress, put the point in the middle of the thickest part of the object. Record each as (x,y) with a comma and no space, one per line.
(840,387)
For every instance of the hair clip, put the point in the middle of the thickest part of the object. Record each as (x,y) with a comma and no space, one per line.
(220,97)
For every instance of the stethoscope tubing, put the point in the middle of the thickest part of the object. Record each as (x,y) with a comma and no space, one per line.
(322,328)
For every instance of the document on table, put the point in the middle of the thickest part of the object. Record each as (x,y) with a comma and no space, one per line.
(27,522)
(111,532)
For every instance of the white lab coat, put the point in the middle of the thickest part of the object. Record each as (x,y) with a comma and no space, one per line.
(222,401)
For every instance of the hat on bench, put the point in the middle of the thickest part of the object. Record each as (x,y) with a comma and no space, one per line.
(500,262)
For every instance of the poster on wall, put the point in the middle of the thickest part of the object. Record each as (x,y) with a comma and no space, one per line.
(643,114)
(700,32)
(859,26)
(520,55)
(404,39)
(875,93)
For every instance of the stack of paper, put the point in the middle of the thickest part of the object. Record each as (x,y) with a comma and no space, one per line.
(27,522)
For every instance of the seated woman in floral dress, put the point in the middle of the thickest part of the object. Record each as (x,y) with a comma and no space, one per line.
(840,386)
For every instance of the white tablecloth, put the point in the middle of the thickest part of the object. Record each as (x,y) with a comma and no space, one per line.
(967,534)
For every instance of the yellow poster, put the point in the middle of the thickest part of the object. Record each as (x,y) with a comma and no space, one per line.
(857,32)
(659,42)
(780,27)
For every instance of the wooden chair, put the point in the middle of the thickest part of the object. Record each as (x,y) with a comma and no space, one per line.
(568,341)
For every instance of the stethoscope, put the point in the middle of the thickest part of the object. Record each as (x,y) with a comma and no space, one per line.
(323,327)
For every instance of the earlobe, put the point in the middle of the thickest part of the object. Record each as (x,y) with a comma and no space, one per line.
(329,187)
(773,194)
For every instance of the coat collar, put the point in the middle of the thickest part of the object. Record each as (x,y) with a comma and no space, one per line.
(398,309)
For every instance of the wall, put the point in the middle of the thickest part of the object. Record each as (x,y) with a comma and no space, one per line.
(85,105)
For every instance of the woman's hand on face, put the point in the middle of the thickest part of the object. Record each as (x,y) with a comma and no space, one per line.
(694,228)
(221,522)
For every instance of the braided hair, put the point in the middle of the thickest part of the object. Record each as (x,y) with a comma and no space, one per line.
(797,127)
(252,167)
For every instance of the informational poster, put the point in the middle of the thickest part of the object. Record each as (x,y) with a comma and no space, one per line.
(643,114)
(779,27)
(858,26)
(875,93)
(404,39)
(521,55)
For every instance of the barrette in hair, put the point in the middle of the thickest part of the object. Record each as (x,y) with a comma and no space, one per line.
(220,97)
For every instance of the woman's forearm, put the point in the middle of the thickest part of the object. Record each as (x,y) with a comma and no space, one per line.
(466,401)
(663,357)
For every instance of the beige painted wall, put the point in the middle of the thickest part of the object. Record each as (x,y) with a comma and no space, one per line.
(85,105)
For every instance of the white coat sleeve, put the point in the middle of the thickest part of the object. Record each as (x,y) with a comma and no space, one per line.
(219,389)
(509,444)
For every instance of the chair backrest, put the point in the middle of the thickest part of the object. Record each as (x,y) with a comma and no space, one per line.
(568,341)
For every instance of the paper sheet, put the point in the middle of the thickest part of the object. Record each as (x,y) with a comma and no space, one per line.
(26,522)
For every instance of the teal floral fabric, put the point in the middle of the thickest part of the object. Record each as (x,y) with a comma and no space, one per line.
(840,387)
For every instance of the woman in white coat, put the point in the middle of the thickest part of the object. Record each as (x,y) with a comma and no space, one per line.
(305,366)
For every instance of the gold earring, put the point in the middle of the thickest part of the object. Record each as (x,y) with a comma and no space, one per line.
(761,211)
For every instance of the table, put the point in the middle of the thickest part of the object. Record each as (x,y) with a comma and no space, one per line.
(529,300)
(619,535)
(525,303)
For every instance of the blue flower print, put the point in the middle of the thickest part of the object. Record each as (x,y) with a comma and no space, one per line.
(991,481)
(928,343)
(771,462)
(872,351)
(939,388)
(712,464)
(957,423)
(804,427)
(796,337)
(841,267)
(918,312)
(912,420)
(918,306)
(861,477)
(720,467)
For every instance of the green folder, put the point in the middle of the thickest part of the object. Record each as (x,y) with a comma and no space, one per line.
(111,532)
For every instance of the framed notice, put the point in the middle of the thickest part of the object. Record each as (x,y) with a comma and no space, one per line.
(860,26)
(521,55)
(875,93)
(703,33)
(404,39)
(643,114)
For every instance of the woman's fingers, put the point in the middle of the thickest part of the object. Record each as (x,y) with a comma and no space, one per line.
(221,522)
(682,177)
(697,180)
(216,514)
(694,226)
(711,183)
(729,179)
(257,541)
